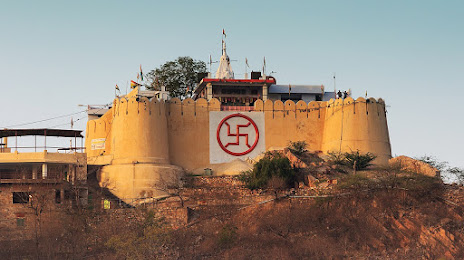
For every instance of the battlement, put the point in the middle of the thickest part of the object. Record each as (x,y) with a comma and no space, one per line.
(150,136)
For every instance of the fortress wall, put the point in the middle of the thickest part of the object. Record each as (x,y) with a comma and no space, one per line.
(357,125)
(285,122)
(188,131)
(131,140)
(99,129)
(140,150)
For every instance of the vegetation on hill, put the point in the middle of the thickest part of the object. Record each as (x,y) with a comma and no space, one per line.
(380,213)
(297,147)
(272,170)
(179,76)
(354,159)
(455,173)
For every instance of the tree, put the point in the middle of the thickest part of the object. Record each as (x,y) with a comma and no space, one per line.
(272,170)
(179,76)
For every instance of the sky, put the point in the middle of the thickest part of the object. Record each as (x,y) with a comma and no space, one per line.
(55,55)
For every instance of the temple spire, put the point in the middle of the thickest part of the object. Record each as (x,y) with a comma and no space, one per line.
(224,70)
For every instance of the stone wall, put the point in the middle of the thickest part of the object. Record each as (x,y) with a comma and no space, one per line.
(147,140)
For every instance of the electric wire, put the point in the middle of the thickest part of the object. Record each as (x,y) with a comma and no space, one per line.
(44,120)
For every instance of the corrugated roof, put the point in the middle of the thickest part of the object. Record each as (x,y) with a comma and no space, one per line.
(42,131)
(296,89)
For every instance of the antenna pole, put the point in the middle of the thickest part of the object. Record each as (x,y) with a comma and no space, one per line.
(335,87)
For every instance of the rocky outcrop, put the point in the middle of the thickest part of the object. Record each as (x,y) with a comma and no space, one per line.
(408,164)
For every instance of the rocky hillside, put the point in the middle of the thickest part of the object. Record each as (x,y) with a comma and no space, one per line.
(367,224)
(332,212)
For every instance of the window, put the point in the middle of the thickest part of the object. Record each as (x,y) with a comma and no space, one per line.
(57,196)
(20,222)
(21,197)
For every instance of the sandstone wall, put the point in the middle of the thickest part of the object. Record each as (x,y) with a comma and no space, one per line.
(147,139)
(357,125)
(288,121)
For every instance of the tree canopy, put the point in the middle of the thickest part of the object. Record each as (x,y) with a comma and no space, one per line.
(179,76)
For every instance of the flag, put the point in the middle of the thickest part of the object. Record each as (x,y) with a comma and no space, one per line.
(289,90)
(224,33)
(72,122)
(134,84)
(117,88)
(322,89)
(264,66)
(138,77)
(246,62)
(141,73)
(366,93)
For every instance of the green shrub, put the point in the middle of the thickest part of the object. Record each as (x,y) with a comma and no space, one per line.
(227,235)
(337,158)
(142,237)
(355,182)
(361,160)
(298,147)
(271,165)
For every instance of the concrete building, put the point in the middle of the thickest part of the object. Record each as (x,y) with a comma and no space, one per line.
(241,94)
(28,180)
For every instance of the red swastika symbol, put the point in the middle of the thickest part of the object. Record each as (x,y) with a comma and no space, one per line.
(237,134)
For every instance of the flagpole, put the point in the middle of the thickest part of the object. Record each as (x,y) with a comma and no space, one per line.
(335,88)
(210,63)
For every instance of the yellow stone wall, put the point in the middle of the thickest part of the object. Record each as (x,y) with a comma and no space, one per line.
(285,122)
(352,125)
(147,141)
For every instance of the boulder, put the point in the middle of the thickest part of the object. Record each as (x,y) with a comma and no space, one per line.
(413,165)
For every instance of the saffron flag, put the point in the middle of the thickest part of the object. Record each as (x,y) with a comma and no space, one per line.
(224,33)
(246,62)
(134,84)
(141,73)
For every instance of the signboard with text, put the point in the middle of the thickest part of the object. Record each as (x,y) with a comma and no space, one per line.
(97,144)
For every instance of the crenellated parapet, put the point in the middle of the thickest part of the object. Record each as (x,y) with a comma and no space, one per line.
(144,142)
(359,124)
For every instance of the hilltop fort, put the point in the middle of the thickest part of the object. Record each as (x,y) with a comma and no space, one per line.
(143,142)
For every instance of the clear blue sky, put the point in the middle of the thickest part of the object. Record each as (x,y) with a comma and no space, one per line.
(55,55)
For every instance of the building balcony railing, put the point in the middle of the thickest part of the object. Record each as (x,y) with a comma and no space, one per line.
(237,108)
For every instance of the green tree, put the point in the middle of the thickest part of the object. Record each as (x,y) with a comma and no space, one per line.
(179,76)
(272,167)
